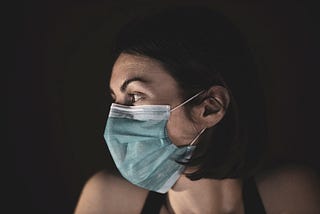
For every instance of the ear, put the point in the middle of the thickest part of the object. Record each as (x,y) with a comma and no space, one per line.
(213,106)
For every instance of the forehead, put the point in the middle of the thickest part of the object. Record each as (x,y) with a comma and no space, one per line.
(128,66)
(130,63)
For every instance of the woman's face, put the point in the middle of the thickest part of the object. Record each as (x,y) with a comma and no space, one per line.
(138,80)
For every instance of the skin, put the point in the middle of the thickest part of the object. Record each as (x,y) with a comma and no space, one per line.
(287,189)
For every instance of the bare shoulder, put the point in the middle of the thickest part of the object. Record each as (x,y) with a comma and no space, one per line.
(108,192)
(290,189)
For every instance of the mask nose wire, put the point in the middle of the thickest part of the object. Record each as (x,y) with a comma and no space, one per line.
(191,98)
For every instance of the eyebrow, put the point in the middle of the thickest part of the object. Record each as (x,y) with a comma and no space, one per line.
(128,81)
(125,84)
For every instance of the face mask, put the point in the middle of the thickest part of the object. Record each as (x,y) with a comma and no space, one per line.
(140,147)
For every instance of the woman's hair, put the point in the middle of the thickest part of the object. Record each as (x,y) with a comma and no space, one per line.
(201,48)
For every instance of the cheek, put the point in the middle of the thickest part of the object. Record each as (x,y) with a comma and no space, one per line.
(180,129)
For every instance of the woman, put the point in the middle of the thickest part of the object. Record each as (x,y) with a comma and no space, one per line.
(187,128)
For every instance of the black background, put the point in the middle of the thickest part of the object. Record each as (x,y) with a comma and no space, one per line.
(58,94)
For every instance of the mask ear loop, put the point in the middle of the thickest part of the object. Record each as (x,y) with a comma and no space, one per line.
(189,151)
(191,98)
(189,147)
(196,138)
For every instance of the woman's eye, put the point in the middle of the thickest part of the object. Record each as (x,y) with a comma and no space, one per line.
(135,97)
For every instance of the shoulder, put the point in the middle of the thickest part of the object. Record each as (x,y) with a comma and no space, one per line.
(290,188)
(108,192)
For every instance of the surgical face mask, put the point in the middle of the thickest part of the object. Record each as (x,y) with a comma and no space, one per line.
(140,147)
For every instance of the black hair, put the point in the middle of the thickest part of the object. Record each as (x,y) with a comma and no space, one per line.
(201,48)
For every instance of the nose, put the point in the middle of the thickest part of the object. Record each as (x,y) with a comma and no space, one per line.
(121,99)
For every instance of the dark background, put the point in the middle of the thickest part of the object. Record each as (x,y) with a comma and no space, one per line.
(58,94)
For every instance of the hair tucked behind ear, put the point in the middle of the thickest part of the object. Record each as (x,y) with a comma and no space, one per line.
(201,48)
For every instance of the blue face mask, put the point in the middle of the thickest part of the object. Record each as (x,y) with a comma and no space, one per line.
(140,147)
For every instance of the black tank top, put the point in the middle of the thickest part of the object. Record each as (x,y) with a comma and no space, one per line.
(251,199)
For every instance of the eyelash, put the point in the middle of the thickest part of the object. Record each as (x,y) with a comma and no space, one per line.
(132,97)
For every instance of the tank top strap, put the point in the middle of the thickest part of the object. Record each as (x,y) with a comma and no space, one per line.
(153,203)
(251,198)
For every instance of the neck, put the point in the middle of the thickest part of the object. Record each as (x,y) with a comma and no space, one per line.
(205,196)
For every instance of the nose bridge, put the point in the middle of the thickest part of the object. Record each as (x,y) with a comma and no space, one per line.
(118,96)
(120,99)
